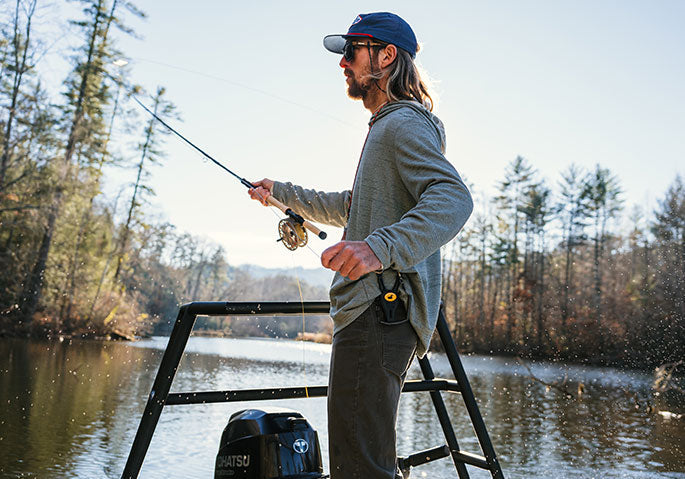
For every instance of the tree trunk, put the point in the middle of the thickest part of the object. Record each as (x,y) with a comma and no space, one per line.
(598,288)
(568,268)
(129,218)
(681,296)
(20,68)
(481,296)
(541,292)
(196,288)
(86,214)
(34,284)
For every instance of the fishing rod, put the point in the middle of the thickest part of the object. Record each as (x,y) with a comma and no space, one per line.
(292,230)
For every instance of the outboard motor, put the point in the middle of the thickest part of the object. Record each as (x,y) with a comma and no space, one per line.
(269,443)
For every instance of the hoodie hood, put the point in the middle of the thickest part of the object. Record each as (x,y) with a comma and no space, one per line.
(417,107)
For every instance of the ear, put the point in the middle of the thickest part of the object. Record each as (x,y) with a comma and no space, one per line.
(387,55)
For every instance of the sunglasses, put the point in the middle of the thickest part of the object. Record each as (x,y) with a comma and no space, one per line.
(350,46)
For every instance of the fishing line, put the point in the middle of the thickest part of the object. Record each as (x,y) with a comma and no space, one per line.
(204,159)
(247,87)
(271,208)
(318,255)
(291,229)
(304,331)
(156,117)
(306,244)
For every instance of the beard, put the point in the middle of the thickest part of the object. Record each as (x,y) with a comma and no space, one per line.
(356,90)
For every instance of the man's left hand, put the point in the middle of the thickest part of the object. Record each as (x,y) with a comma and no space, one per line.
(352,259)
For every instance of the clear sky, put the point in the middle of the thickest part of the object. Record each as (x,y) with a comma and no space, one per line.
(555,82)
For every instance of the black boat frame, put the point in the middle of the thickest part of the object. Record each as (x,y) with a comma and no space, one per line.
(160,397)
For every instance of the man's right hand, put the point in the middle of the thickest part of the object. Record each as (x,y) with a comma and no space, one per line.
(261,191)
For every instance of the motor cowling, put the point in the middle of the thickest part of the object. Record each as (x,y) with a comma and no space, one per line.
(269,443)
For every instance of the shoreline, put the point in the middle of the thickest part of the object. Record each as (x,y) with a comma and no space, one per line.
(325,338)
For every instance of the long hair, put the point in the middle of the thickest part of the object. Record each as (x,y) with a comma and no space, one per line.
(404,81)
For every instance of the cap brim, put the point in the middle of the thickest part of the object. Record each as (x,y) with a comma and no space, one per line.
(334,43)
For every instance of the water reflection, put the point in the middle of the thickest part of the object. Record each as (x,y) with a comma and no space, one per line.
(70,410)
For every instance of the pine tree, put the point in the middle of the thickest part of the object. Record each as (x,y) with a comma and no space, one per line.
(603,195)
(149,156)
(667,335)
(572,211)
(518,178)
(92,173)
(537,212)
(27,143)
(86,97)
(20,63)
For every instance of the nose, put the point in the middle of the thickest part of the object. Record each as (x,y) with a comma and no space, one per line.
(344,63)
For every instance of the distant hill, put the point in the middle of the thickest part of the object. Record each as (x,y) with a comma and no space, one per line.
(313,276)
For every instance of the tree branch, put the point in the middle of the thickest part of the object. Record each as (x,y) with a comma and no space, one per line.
(553,385)
(663,380)
(20,208)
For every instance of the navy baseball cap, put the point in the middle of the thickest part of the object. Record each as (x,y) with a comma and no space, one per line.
(383,26)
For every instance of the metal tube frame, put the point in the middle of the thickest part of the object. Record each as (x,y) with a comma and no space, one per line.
(159,395)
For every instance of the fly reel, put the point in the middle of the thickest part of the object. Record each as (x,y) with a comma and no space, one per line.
(292,234)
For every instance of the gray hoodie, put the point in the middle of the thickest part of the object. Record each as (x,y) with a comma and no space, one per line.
(407,201)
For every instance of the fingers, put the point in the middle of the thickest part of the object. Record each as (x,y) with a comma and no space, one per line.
(265,183)
(260,194)
(344,261)
(352,259)
(330,253)
(261,191)
(357,272)
(353,268)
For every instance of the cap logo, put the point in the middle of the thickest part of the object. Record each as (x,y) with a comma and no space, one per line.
(357,20)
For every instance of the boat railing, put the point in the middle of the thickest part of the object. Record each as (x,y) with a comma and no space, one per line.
(160,396)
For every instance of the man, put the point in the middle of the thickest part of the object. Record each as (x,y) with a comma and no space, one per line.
(406,202)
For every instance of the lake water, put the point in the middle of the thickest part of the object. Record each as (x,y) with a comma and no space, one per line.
(71,409)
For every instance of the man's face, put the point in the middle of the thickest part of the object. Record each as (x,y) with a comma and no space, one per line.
(357,71)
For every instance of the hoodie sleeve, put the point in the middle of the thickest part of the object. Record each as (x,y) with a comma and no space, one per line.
(443,202)
(318,206)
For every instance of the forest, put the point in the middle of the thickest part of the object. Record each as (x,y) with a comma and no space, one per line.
(74,261)
(541,270)
(565,272)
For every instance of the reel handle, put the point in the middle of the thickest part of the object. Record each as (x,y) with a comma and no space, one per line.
(311,227)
